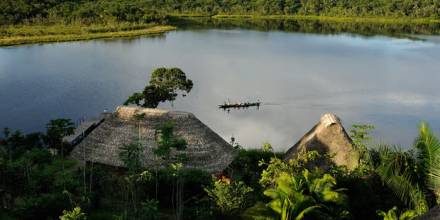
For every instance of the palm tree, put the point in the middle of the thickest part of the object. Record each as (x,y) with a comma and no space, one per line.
(428,147)
(414,175)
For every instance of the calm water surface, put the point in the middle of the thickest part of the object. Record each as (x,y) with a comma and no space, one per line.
(389,82)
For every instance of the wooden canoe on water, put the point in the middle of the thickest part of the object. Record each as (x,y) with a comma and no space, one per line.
(239,105)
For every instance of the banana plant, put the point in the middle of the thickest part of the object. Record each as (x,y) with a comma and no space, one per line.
(294,197)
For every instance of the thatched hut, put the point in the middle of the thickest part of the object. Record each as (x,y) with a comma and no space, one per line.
(206,150)
(328,136)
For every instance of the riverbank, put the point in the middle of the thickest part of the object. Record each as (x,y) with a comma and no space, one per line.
(29,34)
(393,27)
(369,20)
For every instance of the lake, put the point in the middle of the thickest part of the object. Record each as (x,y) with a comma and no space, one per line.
(391,82)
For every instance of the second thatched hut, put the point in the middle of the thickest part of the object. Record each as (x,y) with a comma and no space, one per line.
(328,137)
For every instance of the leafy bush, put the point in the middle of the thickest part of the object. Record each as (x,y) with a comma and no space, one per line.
(295,197)
(245,167)
(392,214)
(230,198)
(75,214)
(150,209)
(277,166)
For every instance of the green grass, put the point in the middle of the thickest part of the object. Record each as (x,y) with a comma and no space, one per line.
(30,34)
(382,20)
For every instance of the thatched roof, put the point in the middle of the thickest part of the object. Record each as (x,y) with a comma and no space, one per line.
(206,150)
(328,136)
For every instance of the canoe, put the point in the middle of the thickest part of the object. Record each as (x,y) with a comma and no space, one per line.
(239,105)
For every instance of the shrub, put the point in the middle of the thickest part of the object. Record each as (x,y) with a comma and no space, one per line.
(230,198)
(75,214)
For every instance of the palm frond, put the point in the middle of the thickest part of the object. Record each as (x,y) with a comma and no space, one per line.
(428,147)
(407,191)
(302,214)
(434,178)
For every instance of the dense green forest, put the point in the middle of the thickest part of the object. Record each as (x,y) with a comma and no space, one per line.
(87,11)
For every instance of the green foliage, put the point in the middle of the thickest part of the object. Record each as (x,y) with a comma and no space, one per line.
(397,170)
(267,147)
(150,209)
(44,33)
(274,168)
(176,171)
(308,194)
(36,184)
(59,128)
(259,211)
(365,191)
(33,180)
(392,214)
(150,97)
(359,133)
(102,11)
(288,199)
(167,141)
(130,155)
(200,209)
(245,167)
(56,130)
(277,166)
(173,79)
(15,143)
(322,25)
(297,192)
(165,83)
(230,197)
(428,150)
(412,175)
(75,214)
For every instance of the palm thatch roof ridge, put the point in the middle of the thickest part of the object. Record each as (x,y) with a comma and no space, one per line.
(206,150)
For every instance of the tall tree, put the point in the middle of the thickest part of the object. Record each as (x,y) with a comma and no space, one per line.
(165,85)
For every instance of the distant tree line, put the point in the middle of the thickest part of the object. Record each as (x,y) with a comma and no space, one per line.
(314,26)
(95,11)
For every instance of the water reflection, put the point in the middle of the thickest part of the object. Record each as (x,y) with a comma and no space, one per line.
(389,82)
(313,26)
